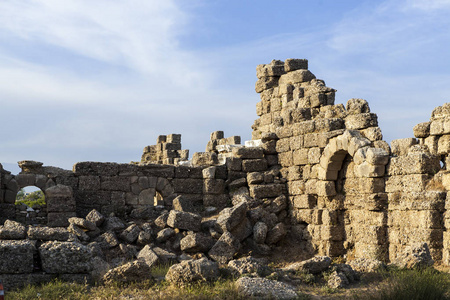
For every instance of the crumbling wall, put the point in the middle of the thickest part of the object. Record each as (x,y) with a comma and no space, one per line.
(315,171)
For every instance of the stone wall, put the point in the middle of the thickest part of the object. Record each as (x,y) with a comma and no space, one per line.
(313,167)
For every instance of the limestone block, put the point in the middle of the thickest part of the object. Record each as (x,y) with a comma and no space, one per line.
(292,173)
(283,145)
(432,143)
(422,130)
(300,157)
(401,146)
(255,178)
(357,106)
(300,114)
(147,196)
(248,152)
(304,201)
(331,124)
(65,257)
(444,144)
(216,135)
(332,232)
(24,180)
(371,251)
(269,147)
(275,234)
(188,185)
(181,203)
(377,156)
(233,140)
(16,256)
(275,68)
(361,121)
(364,185)
(265,83)
(296,142)
(314,155)
(254,165)
(356,143)
(325,188)
(286,159)
(297,76)
(266,191)
(233,163)
(437,127)
(295,64)
(296,187)
(184,220)
(225,248)
(213,186)
(197,242)
(414,163)
(204,159)
(218,201)
(368,170)
(425,200)
(173,138)
(407,183)
(283,132)
(304,127)
(12,230)
(310,186)
(372,134)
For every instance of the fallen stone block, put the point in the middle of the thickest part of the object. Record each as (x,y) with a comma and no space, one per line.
(191,271)
(12,230)
(16,256)
(224,249)
(65,257)
(133,271)
(262,288)
(197,242)
(184,220)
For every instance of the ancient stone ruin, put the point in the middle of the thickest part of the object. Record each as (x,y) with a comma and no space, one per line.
(315,172)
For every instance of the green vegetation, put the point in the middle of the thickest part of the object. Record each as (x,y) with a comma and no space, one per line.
(221,289)
(420,284)
(31,199)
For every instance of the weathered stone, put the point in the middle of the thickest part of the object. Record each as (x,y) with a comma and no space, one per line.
(266,190)
(16,256)
(148,256)
(95,217)
(114,224)
(65,257)
(315,265)
(225,248)
(12,230)
(366,265)
(260,232)
(77,231)
(48,234)
(246,265)
(107,240)
(82,223)
(184,220)
(276,234)
(415,256)
(130,234)
(133,271)
(254,165)
(205,159)
(197,242)
(262,288)
(165,234)
(191,271)
(230,217)
(165,256)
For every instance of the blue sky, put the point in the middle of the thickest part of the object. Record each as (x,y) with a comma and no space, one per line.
(99,80)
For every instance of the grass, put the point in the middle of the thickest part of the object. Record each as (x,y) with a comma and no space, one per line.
(221,289)
(421,284)
(392,284)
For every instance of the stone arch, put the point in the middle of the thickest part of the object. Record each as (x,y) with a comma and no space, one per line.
(154,186)
(350,225)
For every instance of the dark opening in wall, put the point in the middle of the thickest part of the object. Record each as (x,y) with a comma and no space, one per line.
(31,206)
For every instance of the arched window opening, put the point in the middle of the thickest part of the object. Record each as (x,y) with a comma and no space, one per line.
(158,199)
(31,206)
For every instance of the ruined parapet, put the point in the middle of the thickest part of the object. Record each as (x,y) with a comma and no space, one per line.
(166,151)
(217,138)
